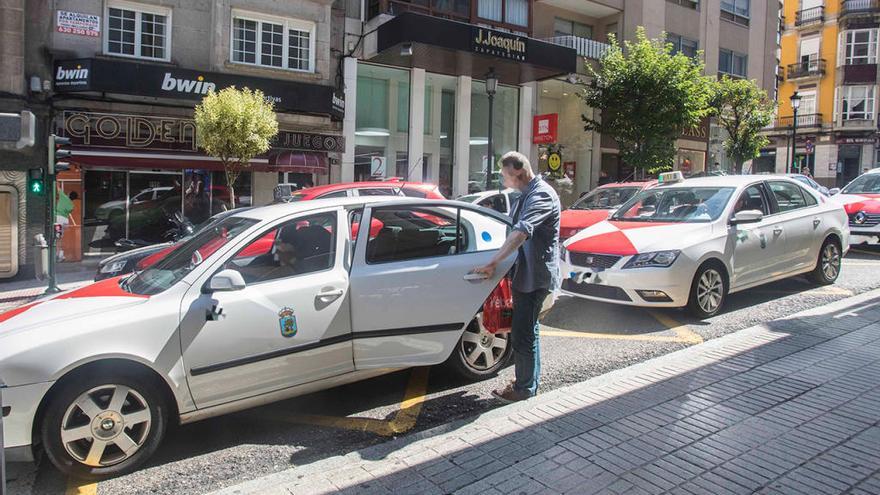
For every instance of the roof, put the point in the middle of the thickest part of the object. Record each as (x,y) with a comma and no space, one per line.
(342,186)
(643,183)
(726,180)
(273,211)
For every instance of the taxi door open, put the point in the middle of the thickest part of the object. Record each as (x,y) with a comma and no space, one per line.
(412,290)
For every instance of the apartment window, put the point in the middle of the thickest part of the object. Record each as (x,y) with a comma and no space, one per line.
(861,47)
(732,63)
(736,11)
(514,12)
(857,102)
(564,27)
(139,31)
(273,42)
(691,4)
(683,45)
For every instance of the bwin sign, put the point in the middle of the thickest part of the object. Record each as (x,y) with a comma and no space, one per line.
(76,74)
(198,86)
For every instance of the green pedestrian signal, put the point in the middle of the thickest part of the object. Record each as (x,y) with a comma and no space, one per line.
(37,187)
(36,184)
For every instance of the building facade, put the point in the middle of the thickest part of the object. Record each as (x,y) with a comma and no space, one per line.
(829,57)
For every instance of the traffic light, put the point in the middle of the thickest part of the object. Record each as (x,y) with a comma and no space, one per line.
(57,155)
(36,182)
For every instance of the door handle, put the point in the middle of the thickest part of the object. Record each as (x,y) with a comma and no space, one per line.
(777,231)
(330,295)
(475,277)
(816,222)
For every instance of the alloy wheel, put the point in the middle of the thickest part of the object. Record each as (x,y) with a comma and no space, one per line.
(710,290)
(831,261)
(481,348)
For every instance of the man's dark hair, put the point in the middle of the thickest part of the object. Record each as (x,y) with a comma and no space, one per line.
(516,160)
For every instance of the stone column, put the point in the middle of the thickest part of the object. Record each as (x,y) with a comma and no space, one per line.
(462,150)
(350,121)
(416,125)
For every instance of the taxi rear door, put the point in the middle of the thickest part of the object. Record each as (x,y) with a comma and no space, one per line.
(412,293)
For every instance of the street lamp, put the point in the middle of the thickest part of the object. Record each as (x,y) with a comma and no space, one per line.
(795,104)
(491,88)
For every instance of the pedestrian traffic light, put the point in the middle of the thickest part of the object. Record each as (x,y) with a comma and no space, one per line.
(36,183)
(57,155)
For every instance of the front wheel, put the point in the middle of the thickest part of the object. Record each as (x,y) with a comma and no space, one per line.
(99,427)
(480,354)
(828,265)
(708,291)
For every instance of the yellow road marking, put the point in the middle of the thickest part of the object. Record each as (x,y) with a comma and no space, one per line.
(683,333)
(404,419)
(80,487)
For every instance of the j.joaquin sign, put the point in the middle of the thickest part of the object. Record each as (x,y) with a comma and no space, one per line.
(498,44)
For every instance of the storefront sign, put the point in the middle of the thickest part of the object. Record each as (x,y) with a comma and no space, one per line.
(377,166)
(309,142)
(856,140)
(130,131)
(114,76)
(77,23)
(698,133)
(498,44)
(544,128)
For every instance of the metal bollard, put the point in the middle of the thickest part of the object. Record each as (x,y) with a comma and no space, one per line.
(2,448)
(41,257)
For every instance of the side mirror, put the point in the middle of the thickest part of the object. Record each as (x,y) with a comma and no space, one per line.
(225,281)
(747,216)
(834,190)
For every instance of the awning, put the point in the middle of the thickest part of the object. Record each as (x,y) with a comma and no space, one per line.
(308,162)
(458,48)
(300,162)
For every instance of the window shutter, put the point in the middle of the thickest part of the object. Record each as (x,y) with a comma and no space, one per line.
(836,106)
(841,44)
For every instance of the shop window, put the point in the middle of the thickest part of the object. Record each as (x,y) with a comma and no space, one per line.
(138,31)
(732,63)
(680,44)
(220,192)
(381,121)
(861,46)
(504,132)
(857,102)
(273,42)
(736,11)
(565,27)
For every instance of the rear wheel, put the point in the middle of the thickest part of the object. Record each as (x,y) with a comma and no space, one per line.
(828,265)
(480,354)
(708,290)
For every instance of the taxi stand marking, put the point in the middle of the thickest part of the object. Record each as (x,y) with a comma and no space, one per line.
(404,419)
(683,333)
(80,487)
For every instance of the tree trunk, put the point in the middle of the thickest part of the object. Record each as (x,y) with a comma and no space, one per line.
(230,183)
(738,167)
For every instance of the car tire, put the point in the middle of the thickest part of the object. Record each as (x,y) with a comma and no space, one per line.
(708,290)
(125,445)
(479,354)
(828,263)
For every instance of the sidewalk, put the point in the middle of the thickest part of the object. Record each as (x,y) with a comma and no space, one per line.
(68,276)
(791,406)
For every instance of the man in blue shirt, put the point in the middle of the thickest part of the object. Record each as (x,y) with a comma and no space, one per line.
(535,236)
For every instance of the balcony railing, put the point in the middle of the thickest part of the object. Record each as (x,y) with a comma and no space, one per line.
(859,6)
(585,47)
(810,16)
(809,68)
(458,9)
(806,120)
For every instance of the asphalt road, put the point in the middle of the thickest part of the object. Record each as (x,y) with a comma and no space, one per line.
(580,339)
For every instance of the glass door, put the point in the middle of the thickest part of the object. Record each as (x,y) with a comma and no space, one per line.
(105,196)
(154,199)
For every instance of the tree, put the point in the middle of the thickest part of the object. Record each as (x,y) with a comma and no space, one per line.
(743,110)
(235,125)
(647,97)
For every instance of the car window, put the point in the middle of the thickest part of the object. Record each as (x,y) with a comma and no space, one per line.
(752,199)
(415,232)
(676,204)
(809,198)
(788,196)
(495,202)
(864,184)
(300,246)
(606,198)
(335,194)
(378,191)
(414,192)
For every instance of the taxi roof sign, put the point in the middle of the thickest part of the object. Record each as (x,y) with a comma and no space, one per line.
(670,177)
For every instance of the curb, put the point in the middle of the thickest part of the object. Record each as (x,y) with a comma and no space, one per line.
(757,335)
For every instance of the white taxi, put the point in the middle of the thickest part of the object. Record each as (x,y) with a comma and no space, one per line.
(692,242)
(95,375)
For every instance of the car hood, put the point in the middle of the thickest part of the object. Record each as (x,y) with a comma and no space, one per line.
(138,253)
(629,238)
(581,219)
(54,312)
(854,203)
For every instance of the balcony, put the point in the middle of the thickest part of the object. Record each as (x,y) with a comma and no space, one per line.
(585,47)
(803,121)
(851,7)
(459,10)
(810,16)
(808,68)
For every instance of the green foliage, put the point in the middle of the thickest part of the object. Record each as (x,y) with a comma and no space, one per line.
(235,126)
(647,97)
(743,110)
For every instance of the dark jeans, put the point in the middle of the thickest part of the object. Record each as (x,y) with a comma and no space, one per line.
(524,337)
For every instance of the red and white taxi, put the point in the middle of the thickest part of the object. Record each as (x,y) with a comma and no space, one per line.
(861,199)
(594,207)
(692,242)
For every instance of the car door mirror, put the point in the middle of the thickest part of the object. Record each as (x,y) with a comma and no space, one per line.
(833,191)
(225,281)
(747,216)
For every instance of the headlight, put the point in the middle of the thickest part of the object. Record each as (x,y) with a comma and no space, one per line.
(113,267)
(661,259)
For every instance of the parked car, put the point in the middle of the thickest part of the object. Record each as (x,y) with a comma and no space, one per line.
(116,209)
(809,182)
(499,200)
(861,199)
(391,187)
(96,375)
(594,207)
(692,242)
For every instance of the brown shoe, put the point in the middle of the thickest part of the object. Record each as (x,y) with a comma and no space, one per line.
(510,395)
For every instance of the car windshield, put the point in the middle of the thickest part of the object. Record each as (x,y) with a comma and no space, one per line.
(605,198)
(676,204)
(185,258)
(470,198)
(866,184)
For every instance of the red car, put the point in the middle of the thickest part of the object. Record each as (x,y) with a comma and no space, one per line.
(390,187)
(594,207)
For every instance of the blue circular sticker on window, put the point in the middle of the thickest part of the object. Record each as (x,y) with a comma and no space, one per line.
(487,237)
